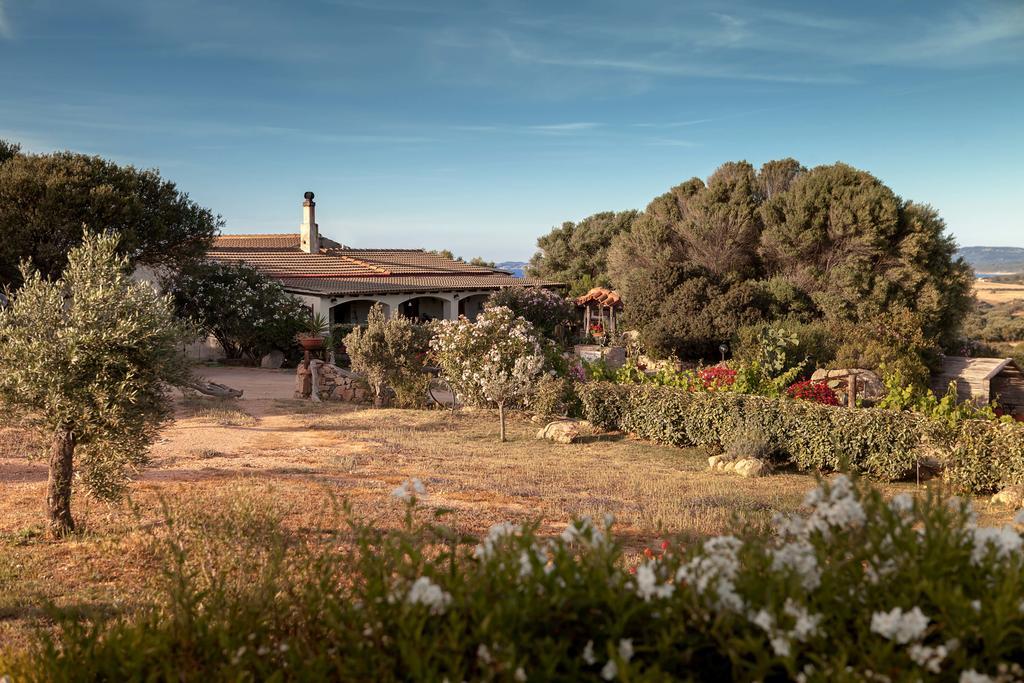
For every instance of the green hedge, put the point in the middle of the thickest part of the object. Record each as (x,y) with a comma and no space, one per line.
(980,456)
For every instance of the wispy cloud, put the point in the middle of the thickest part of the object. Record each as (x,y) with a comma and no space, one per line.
(5,25)
(565,127)
(661,66)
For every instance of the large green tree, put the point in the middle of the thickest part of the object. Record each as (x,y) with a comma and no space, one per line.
(88,358)
(46,199)
(575,253)
(832,245)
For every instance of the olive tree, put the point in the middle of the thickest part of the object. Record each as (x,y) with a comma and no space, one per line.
(87,359)
(496,358)
(388,353)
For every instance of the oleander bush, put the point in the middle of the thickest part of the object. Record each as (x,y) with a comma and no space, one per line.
(852,588)
(978,456)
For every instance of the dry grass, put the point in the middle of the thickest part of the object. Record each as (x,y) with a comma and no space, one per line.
(301,458)
(997,292)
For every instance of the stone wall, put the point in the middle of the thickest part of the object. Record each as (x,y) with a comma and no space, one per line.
(335,384)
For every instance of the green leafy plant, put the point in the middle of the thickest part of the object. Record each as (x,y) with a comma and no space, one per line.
(96,384)
(247,312)
(390,353)
(856,583)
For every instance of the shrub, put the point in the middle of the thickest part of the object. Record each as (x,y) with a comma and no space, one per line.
(814,437)
(909,587)
(543,308)
(749,440)
(554,395)
(390,353)
(247,312)
(979,456)
(814,391)
(986,456)
(494,359)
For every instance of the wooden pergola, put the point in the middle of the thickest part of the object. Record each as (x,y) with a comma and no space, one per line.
(600,305)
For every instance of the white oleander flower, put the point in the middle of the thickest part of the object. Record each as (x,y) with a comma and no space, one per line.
(647,585)
(1005,540)
(799,557)
(588,653)
(426,592)
(899,626)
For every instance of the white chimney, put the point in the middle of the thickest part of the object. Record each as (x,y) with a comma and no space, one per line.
(309,233)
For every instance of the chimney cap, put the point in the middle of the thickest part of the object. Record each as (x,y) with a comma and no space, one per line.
(308,195)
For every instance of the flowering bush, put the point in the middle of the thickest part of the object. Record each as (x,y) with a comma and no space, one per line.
(817,392)
(248,313)
(542,308)
(717,377)
(492,360)
(853,588)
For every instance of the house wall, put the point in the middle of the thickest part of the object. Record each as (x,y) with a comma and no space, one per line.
(440,305)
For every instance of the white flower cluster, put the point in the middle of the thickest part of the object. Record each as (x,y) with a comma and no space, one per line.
(647,585)
(610,670)
(409,488)
(834,508)
(930,657)
(899,626)
(800,558)
(716,569)
(805,627)
(426,592)
(1004,540)
(485,550)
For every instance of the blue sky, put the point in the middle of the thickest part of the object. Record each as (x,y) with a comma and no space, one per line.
(477,126)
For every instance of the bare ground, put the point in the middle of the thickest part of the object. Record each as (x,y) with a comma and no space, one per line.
(305,458)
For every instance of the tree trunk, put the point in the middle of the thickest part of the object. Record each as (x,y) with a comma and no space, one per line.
(501,418)
(58,486)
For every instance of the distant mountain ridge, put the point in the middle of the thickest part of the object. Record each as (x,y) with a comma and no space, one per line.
(994,259)
(517,268)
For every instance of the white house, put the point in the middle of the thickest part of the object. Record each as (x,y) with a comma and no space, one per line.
(343,282)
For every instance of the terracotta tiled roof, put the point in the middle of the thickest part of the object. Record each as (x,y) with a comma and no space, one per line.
(602,297)
(409,283)
(339,270)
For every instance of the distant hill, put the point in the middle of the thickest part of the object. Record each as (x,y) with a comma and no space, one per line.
(994,259)
(516,267)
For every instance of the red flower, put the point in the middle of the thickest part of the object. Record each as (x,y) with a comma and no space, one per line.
(818,392)
(717,377)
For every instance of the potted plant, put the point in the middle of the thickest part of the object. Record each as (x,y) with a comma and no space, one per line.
(312,338)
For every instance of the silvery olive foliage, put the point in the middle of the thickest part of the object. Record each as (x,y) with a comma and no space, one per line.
(389,352)
(93,353)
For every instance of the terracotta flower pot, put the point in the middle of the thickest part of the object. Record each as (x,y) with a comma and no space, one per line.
(311,343)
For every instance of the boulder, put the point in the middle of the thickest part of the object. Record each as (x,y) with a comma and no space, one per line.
(750,467)
(1012,496)
(273,360)
(565,431)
